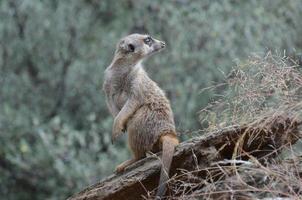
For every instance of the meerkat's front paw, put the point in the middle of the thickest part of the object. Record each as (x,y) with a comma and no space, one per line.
(117,129)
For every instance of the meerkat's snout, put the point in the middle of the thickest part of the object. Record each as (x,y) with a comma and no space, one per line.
(163,44)
(158,45)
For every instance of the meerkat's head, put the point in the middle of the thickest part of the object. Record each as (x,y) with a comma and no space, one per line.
(136,47)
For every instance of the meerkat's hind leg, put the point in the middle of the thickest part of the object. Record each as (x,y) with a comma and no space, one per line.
(121,167)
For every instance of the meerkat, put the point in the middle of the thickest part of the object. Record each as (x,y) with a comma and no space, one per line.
(138,105)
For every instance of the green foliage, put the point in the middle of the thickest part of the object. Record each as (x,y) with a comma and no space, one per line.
(54,124)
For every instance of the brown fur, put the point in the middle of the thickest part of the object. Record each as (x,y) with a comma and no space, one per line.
(138,105)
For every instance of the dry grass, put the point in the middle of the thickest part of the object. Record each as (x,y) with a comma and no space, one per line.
(256,92)
(261,93)
(235,179)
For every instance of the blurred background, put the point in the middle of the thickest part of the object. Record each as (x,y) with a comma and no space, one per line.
(54,125)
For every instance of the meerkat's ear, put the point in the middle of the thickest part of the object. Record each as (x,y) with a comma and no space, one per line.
(126,47)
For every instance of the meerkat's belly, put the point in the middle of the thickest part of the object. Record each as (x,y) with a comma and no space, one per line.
(146,126)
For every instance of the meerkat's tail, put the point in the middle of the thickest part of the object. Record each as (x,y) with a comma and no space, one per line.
(169,141)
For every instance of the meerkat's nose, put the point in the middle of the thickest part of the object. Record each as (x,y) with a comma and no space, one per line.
(162,44)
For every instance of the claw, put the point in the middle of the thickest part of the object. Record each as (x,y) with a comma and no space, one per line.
(114,136)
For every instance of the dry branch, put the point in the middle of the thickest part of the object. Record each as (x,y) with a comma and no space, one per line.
(142,177)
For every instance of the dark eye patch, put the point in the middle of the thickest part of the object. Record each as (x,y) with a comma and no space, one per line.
(148,41)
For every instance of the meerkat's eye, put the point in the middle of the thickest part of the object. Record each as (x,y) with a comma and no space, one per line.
(148,40)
